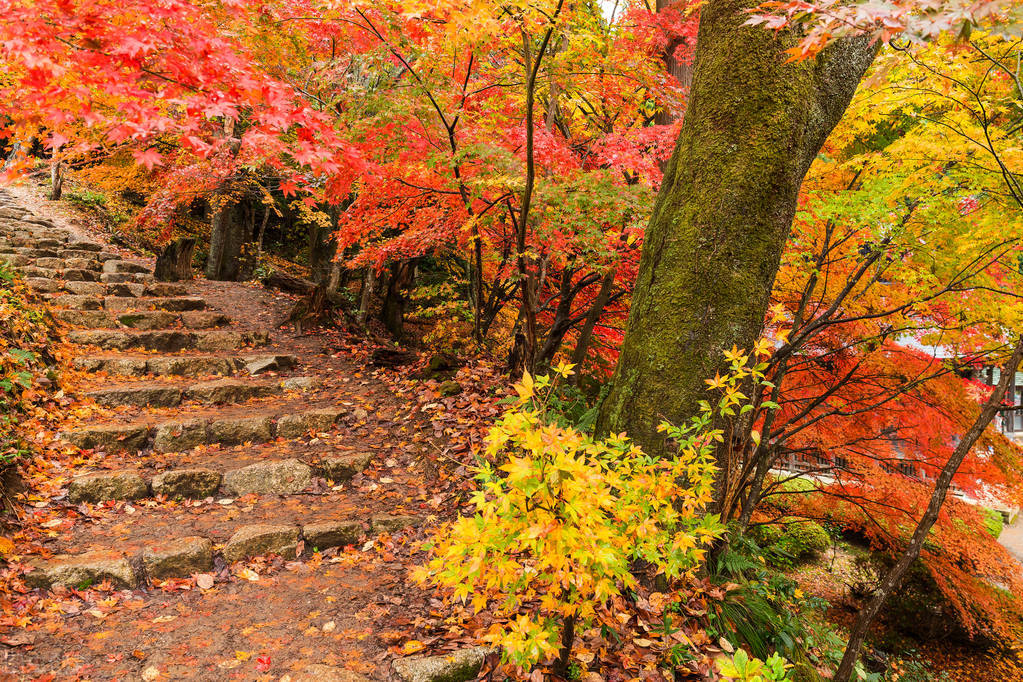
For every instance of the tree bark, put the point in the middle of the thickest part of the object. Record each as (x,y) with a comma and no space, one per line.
(56,180)
(175,261)
(322,249)
(369,282)
(402,275)
(232,255)
(754,124)
(219,227)
(582,344)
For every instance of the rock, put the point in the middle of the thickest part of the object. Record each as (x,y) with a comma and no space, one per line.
(165,289)
(204,320)
(144,396)
(282,478)
(92,247)
(14,260)
(179,436)
(123,267)
(109,438)
(258,364)
(12,212)
(84,318)
(163,341)
(125,290)
(79,570)
(189,366)
(124,303)
(391,523)
(126,366)
(72,275)
(458,666)
(42,285)
(187,483)
(78,302)
(331,534)
(300,383)
(79,263)
(326,673)
(262,539)
(115,485)
(52,263)
(85,288)
(178,558)
(225,340)
(296,425)
(226,391)
(148,319)
(241,430)
(450,388)
(340,469)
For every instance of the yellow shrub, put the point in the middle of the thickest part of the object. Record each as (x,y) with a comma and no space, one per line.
(560,519)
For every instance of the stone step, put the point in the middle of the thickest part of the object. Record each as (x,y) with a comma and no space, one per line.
(142,320)
(120,277)
(186,365)
(171,303)
(122,290)
(183,556)
(185,433)
(216,392)
(273,477)
(125,267)
(168,341)
(64,275)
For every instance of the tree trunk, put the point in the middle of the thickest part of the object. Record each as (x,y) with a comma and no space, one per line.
(753,125)
(393,313)
(322,249)
(232,255)
(56,180)
(215,266)
(368,285)
(262,232)
(290,283)
(175,262)
(894,577)
(582,344)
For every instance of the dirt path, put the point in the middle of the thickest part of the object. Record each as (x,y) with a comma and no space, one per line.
(1012,538)
(237,503)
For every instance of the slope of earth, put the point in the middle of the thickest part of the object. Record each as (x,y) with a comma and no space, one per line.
(223,499)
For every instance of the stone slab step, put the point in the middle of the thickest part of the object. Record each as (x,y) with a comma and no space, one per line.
(63,275)
(171,303)
(119,277)
(215,392)
(168,341)
(142,320)
(185,434)
(125,267)
(274,477)
(186,365)
(123,290)
(181,557)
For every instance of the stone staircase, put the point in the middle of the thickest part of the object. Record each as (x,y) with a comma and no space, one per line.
(184,410)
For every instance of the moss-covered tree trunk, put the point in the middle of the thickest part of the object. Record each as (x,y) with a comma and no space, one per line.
(752,127)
